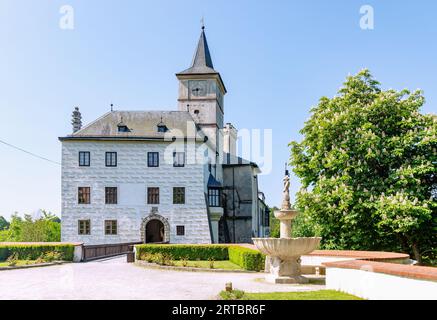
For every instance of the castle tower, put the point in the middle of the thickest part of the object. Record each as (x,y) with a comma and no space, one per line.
(201,92)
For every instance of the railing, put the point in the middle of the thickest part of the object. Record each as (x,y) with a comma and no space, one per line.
(92,252)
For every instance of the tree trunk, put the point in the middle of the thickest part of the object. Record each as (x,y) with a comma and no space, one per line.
(416,253)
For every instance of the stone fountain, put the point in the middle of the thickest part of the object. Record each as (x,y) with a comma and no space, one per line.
(283,254)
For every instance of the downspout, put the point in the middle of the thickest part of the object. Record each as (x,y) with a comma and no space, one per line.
(233,204)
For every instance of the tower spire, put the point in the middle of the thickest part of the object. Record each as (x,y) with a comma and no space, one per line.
(202,56)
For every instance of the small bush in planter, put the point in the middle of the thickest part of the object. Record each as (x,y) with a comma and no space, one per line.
(12,260)
(211,263)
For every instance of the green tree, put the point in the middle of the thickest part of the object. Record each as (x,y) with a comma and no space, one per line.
(367,163)
(47,228)
(274,223)
(4,224)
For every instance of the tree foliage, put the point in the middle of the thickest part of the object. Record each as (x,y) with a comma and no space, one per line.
(4,224)
(368,167)
(47,228)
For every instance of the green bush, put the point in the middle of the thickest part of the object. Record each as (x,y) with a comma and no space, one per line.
(34,251)
(246,258)
(232,295)
(12,260)
(182,251)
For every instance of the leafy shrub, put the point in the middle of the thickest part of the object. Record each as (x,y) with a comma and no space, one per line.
(232,295)
(34,251)
(52,256)
(12,260)
(246,258)
(189,252)
(184,262)
(211,263)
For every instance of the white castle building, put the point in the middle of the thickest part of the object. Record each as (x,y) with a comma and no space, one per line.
(162,176)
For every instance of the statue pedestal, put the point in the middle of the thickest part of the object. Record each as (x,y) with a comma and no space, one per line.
(284,271)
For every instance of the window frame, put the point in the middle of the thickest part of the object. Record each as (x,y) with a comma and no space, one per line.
(153,197)
(113,231)
(150,155)
(82,194)
(178,192)
(111,155)
(176,157)
(214,200)
(89,158)
(85,228)
(111,195)
(180,230)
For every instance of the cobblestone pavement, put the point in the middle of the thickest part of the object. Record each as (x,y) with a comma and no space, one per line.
(115,279)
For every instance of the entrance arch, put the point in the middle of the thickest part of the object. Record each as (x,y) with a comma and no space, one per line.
(154,231)
(155,228)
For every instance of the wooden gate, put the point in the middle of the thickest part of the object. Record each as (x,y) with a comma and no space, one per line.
(99,251)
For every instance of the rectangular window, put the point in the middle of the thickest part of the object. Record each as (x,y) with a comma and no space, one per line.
(153,195)
(84,227)
(178,195)
(110,227)
(84,159)
(111,159)
(180,230)
(178,159)
(267,217)
(214,197)
(111,195)
(153,159)
(84,195)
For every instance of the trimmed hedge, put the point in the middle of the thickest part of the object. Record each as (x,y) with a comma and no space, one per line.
(34,251)
(246,258)
(182,251)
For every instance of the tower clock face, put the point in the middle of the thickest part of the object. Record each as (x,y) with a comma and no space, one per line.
(198,88)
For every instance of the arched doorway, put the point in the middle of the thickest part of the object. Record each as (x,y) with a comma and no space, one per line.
(155,228)
(154,231)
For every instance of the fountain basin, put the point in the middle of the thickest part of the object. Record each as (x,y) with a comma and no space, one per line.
(286,248)
(286,214)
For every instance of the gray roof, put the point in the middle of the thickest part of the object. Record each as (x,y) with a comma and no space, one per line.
(202,62)
(212,182)
(141,124)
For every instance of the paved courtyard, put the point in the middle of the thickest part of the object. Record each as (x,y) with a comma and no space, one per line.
(115,279)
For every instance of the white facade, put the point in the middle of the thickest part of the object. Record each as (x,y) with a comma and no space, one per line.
(132,177)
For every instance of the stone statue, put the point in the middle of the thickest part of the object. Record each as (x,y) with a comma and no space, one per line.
(286,193)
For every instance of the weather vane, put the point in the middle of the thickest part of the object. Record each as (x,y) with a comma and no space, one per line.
(202,22)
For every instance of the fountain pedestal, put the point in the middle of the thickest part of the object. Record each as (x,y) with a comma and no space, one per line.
(284,271)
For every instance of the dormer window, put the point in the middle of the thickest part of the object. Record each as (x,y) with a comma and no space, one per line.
(123,128)
(162,127)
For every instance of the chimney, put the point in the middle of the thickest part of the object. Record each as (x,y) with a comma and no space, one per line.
(76,120)
(230,134)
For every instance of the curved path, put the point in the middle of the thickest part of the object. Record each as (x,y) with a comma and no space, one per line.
(115,279)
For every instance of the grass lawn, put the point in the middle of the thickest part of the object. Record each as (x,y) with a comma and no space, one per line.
(19,263)
(308,295)
(225,264)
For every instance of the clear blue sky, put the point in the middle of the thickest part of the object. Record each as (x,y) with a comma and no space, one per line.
(277,59)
